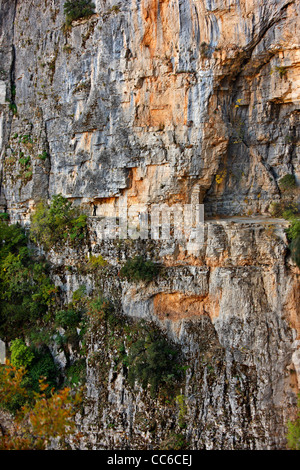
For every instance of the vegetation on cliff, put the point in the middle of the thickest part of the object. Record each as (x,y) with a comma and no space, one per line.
(76,9)
(57,222)
(287,208)
(36,326)
(44,416)
(139,269)
(293,233)
(29,324)
(293,436)
(27,293)
(153,361)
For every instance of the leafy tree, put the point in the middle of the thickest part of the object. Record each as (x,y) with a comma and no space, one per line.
(152,361)
(26,291)
(38,363)
(49,415)
(21,355)
(13,393)
(72,321)
(4,216)
(42,365)
(76,372)
(95,262)
(69,318)
(57,222)
(12,239)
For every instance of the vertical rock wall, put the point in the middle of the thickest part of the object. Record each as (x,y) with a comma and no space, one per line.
(153,98)
(159,101)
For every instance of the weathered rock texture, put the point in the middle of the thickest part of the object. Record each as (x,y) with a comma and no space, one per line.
(170,101)
(154,99)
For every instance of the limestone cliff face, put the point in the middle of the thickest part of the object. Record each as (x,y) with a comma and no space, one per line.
(234,314)
(154,98)
(170,101)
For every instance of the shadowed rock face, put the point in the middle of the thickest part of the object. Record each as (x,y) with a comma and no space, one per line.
(169,101)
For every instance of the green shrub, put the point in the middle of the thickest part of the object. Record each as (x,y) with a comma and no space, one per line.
(57,222)
(26,139)
(12,239)
(287,182)
(24,161)
(153,361)
(39,364)
(76,372)
(288,214)
(43,156)
(293,435)
(275,209)
(76,9)
(139,269)
(68,318)
(284,208)
(294,230)
(71,320)
(101,310)
(281,70)
(21,355)
(96,261)
(115,9)
(293,234)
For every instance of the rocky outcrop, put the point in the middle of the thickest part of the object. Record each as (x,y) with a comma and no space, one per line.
(232,313)
(151,98)
(169,101)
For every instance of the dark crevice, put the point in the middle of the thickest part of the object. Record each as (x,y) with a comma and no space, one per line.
(49,157)
(246,54)
(231,78)
(279,16)
(13,60)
